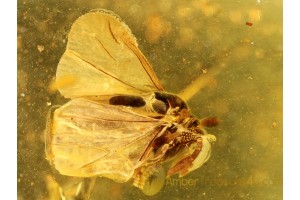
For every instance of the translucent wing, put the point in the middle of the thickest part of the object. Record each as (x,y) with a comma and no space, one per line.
(102,58)
(89,139)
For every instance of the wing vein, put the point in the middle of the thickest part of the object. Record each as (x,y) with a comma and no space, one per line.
(106,49)
(91,64)
(112,34)
(108,120)
(144,62)
(123,146)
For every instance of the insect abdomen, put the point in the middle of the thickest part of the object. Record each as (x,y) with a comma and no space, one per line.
(127,100)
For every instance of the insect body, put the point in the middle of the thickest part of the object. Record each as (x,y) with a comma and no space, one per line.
(119,123)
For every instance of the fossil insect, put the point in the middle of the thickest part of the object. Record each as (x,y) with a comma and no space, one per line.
(119,123)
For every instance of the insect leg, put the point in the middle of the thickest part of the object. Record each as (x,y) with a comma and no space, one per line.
(182,167)
(161,154)
(149,149)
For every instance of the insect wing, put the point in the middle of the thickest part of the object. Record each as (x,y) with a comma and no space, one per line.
(93,139)
(102,58)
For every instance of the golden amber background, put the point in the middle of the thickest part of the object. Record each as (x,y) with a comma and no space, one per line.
(183,40)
